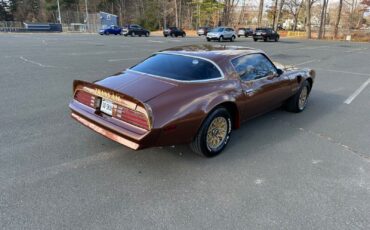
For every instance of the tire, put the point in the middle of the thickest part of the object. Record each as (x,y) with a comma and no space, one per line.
(107,33)
(147,34)
(276,39)
(255,39)
(265,39)
(238,36)
(172,35)
(232,39)
(139,35)
(133,34)
(184,35)
(165,36)
(221,39)
(208,39)
(217,125)
(295,103)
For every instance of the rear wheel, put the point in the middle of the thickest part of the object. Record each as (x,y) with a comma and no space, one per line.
(183,35)
(276,39)
(297,103)
(208,39)
(214,134)
(147,34)
(255,39)
(133,34)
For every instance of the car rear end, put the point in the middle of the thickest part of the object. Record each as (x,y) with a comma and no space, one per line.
(167,32)
(260,34)
(125,30)
(241,32)
(113,114)
(202,31)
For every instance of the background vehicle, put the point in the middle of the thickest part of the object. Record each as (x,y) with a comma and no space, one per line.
(203,30)
(221,34)
(246,32)
(265,34)
(111,30)
(190,94)
(174,32)
(135,30)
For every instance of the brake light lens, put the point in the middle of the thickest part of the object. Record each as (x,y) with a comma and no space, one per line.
(131,116)
(85,98)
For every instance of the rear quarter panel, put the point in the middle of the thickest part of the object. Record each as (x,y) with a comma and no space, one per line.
(180,112)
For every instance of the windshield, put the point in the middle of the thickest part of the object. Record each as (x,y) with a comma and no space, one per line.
(178,67)
(217,30)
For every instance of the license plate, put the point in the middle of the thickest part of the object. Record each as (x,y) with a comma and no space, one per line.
(258,33)
(106,107)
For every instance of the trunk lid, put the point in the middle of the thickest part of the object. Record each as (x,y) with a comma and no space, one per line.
(139,86)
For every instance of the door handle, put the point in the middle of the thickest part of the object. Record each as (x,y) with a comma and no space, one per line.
(249,91)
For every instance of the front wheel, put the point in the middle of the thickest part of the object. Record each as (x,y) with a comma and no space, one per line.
(183,35)
(255,39)
(297,103)
(147,34)
(232,38)
(214,134)
(221,39)
(208,39)
(276,39)
(133,34)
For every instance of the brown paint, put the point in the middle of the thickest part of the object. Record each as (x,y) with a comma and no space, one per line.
(177,109)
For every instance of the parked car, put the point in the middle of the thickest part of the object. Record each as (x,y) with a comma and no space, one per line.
(192,94)
(246,32)
(110,30)
(265,34)
(135,30)
(203,30)
(221,34)
(174,32)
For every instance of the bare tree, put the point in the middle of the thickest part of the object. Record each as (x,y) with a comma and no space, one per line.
(278,16)
(294,7)
(337,20)
(308,19)
(260,13)
(324,8)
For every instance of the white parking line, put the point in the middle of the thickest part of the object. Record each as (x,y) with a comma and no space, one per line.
(155,41)
(357,92)
(344,72)
(124,59)
(35,63)
(306,62)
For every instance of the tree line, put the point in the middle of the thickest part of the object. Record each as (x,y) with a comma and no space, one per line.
(189,14)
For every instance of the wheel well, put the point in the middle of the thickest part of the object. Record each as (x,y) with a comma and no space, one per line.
(311,82)
(234,112)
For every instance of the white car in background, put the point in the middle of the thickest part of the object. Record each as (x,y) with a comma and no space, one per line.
(221,34)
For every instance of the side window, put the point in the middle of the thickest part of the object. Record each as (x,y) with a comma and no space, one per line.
(253,66)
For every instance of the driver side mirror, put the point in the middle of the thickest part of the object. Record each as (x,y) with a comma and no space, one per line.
(280,72)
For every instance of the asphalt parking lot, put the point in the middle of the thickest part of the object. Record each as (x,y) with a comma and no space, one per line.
(280,171)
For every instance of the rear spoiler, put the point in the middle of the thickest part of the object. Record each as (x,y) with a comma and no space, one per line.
(117,97)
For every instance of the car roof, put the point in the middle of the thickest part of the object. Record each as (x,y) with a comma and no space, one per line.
(215,53)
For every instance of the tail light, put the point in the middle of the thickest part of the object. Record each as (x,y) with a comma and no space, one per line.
(85,98)
(131,116)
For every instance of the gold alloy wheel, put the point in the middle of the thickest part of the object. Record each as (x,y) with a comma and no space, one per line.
(217,132)
(303,98)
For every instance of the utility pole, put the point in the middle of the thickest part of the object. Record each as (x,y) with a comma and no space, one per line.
(59,16)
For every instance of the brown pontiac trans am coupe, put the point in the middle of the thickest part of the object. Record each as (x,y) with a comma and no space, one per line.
(191,94)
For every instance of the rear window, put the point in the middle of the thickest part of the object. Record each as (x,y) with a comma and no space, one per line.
(178,67)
